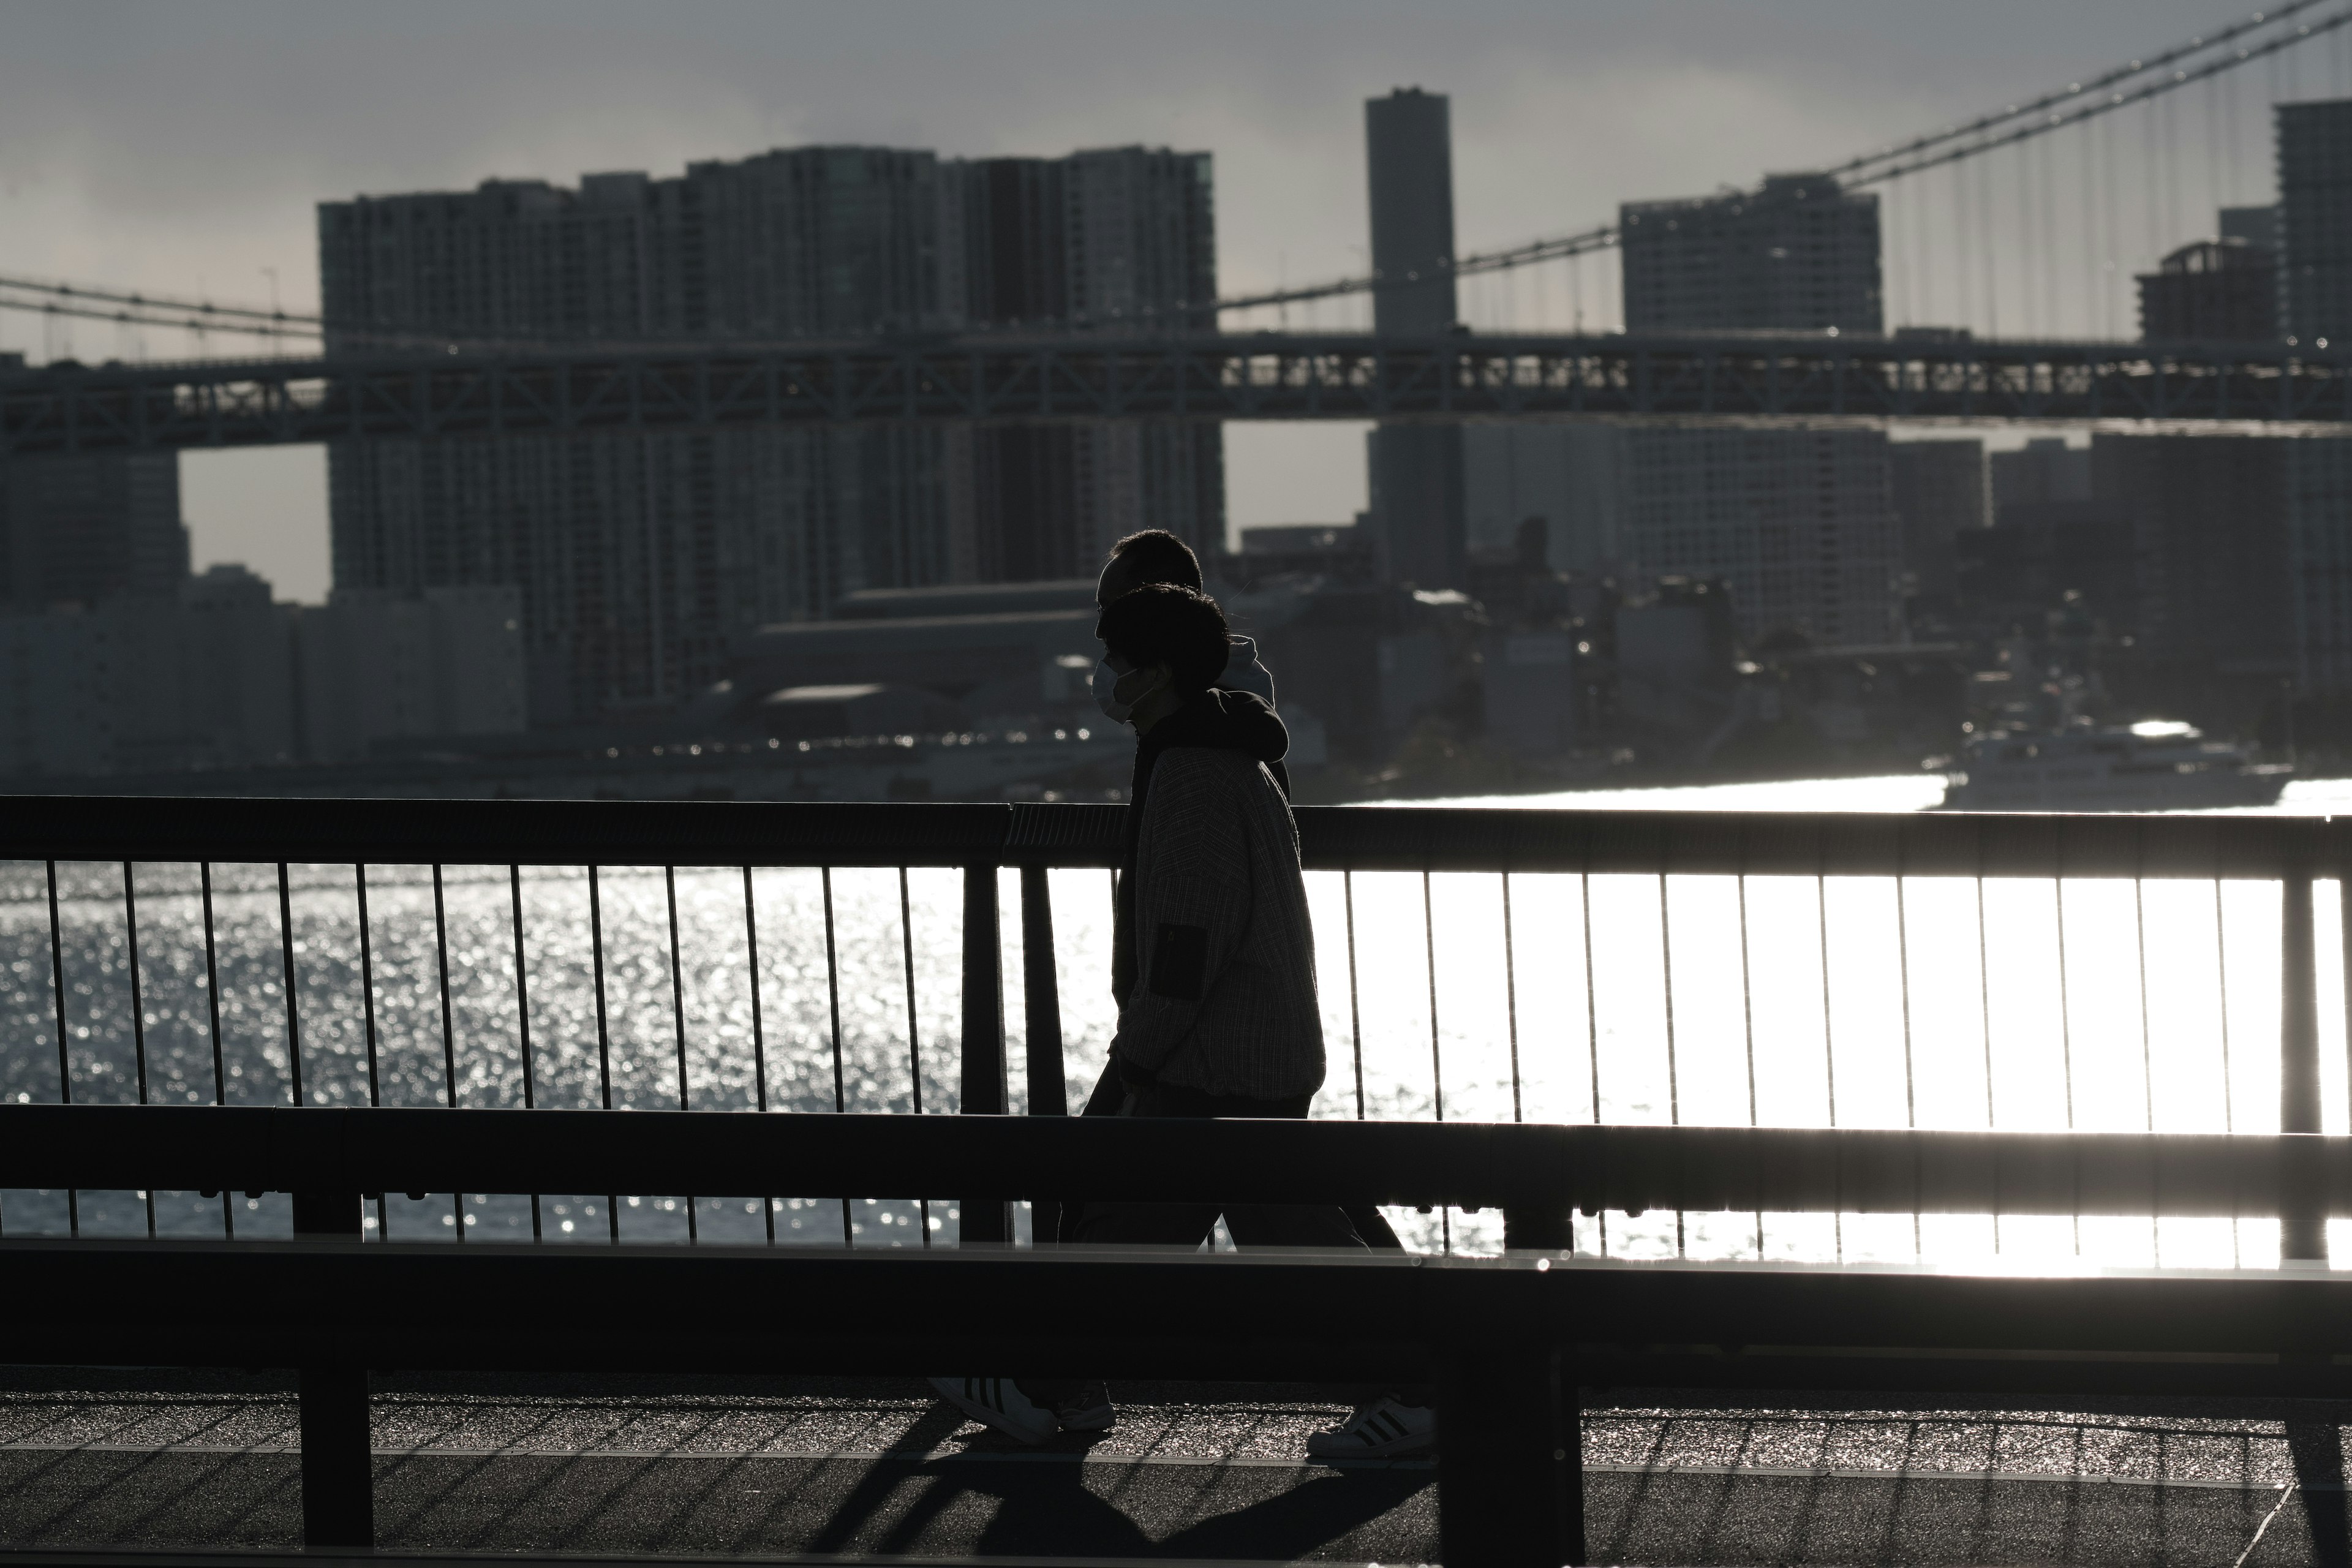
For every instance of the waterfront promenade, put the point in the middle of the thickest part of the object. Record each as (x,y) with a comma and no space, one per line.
(763,1468)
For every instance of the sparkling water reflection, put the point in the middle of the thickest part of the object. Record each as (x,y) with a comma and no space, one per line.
(1849,1001)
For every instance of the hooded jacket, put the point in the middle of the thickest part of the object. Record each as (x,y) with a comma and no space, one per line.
(1213,958)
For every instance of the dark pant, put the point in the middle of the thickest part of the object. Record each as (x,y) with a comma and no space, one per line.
(1187,1225)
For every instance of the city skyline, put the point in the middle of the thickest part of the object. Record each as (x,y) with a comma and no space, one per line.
(115,117)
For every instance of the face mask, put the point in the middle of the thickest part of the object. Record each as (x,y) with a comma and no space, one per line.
(1105,687)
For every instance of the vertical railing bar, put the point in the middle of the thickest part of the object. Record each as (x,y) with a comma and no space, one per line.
(759,1036)
(1910,1089)
(1748,1023)
(1511,997)
(1355,1006)
(2147,1042)
(286,952)
(2222,987)
(2344,931)
(833,997)
(597,965)
(367,986)
(1829,1032)
(678,1022)
(604,1034)
(65,1066)
(448,1031)
(677,984)
(759,1031)
(522,1025)
(2066,1031)
(1429,939)
(212,1003)
(1591,1001)
(914,1027)
(367,1016)
(138,1007)
(1437,1061)
(1674,1075)
(2065,1010)
(2229,1093)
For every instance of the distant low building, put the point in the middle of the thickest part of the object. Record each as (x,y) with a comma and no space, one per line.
(379,666)
(76,529)
(201,678)
(2215,288)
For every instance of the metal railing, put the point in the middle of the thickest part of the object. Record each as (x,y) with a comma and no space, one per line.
(1508,1343)
(1546,966)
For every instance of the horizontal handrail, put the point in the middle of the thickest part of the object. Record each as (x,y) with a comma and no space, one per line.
(1524,1169)
(1367,838)
(804,1309)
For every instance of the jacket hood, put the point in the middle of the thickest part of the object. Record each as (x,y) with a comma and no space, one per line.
(1223,721)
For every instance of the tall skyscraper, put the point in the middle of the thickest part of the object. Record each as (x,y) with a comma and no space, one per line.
(1119,239)
(1416,469)
(1801,524)
(638,558)
(1800,255)
(2315,180)
(2315,242)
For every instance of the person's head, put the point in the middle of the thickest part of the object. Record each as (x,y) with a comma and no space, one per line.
(1154,555)
(1163,646)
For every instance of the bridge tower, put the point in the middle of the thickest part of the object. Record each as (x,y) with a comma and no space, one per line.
(1416,469)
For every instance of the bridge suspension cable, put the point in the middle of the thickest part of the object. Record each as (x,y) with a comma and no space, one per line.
(2009,127)
(2264,35)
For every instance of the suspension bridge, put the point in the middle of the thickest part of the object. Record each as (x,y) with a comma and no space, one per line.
(2133,156)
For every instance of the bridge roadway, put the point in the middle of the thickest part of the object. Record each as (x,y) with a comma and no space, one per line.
(149,1462)
(1775,378)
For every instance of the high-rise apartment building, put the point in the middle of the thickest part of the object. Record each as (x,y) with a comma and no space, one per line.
(640,558)
(2315,181)
(1417,484)
(2315,244)
(1799,523)
(1800,255)
(1122,239)
(74,530)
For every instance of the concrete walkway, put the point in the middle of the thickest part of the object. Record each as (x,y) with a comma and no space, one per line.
(872,1468)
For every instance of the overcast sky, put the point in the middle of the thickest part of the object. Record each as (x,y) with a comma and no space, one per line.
(180,146)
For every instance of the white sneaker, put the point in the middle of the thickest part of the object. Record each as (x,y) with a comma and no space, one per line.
(1090,1410)
(996,1402)
(1387,1428)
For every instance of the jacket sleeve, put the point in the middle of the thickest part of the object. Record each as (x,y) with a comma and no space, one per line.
(1191,908)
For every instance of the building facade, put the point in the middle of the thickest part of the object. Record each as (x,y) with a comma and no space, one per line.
(1799,255)
(2224,289)
(1416,471)
(1800,525)
(640,558)
(1121,239)
(75,530)
(2315,245)
(1938,489)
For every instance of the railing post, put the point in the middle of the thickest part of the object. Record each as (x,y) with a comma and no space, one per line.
(987,1090)
(1538,1228)
(338,1449)
(1510,1456)
(1041,1000)
(2302,1210)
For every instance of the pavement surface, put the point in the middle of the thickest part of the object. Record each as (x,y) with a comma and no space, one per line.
(873,1467)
